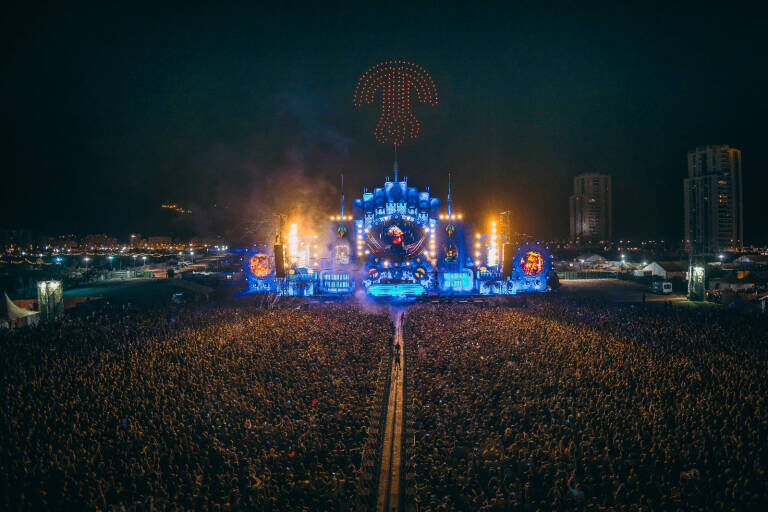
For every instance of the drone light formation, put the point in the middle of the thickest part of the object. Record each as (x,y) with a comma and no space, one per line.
(397,80)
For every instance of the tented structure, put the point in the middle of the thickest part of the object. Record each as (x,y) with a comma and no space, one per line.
(15,316)
(666,269)
(655,270)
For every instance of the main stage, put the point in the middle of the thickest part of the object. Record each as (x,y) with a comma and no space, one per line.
(399,244)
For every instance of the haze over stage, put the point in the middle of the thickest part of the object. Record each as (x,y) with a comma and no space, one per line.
(398,244)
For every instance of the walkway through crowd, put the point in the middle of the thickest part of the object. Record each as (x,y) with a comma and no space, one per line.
(391,456)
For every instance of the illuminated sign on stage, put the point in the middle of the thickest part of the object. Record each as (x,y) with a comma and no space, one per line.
(532,263)
(259,265)
(341,255)
(451,253)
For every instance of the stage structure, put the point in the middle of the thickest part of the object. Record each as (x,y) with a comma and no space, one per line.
(397,243)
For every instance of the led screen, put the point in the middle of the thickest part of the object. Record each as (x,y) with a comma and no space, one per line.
(342,254)
(451,253)
(396,240)
(259,265)
(532,263)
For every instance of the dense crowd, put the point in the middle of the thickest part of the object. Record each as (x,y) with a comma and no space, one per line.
(561,405)
(222,408)
(553,405)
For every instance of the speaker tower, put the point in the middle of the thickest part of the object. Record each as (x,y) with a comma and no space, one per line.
(507,257)
(279,261)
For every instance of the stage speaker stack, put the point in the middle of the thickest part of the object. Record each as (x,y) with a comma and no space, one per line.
(279,261)
(507,257)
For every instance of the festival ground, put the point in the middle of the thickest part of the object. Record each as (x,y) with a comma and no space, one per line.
(555,402)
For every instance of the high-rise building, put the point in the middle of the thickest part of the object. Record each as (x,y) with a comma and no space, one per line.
(713,200)
(591,208)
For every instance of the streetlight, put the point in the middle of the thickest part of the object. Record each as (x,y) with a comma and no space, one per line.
(134,260)
(192,253)
(144,260)
(85,259)
(721,258)
(110,258)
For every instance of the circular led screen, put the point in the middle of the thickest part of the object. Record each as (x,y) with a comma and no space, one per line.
(532,263)
(396,240)
(259,265)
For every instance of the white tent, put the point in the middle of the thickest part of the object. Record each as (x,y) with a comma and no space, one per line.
(16,316)
(656,270)
(666,269)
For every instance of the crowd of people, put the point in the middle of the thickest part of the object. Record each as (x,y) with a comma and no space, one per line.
(554,404)
(189,409)
(563,405)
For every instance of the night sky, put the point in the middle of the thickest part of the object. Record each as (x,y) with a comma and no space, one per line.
(108,111)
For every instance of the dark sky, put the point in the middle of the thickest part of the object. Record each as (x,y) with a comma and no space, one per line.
(108,110)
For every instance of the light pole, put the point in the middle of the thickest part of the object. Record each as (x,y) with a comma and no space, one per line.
(144,261)
(85,259)
(110,258)
(192,253)
(134,261)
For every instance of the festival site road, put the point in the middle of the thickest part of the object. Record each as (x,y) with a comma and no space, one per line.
(391,457)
